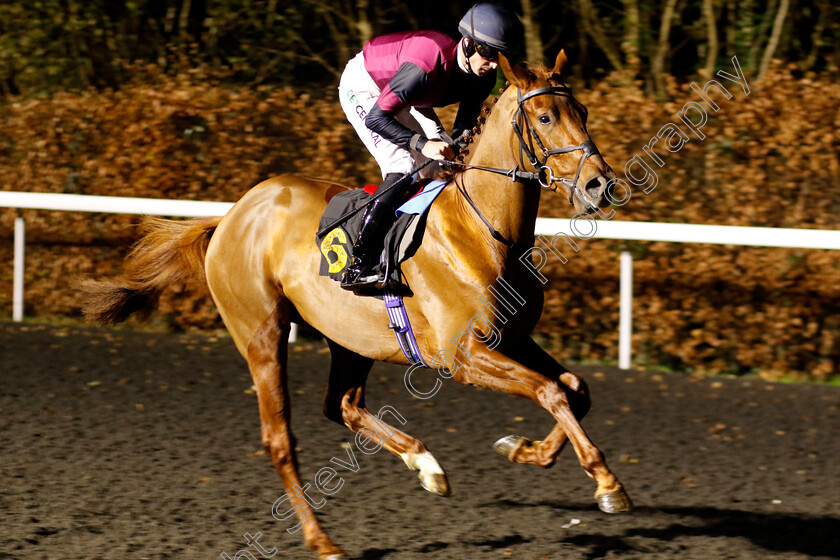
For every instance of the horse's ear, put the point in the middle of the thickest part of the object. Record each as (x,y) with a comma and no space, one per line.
(515,74)
(558,73)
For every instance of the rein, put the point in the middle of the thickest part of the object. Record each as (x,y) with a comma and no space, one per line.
(493,231)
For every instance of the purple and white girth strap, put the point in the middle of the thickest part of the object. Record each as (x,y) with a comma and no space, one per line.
(402,328)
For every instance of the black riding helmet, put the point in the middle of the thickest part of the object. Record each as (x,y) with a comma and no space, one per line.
(493,27)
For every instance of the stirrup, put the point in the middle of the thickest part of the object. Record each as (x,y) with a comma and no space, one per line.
(363,281)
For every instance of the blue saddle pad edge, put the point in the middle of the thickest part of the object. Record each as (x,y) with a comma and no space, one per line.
(420,202)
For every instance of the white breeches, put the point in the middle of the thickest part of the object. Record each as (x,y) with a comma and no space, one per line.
(357,93)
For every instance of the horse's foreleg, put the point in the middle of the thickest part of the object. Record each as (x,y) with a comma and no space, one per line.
(492,369)
(345,404)
(544,453)
(267,357)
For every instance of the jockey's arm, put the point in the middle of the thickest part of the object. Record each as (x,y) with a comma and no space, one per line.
(436,147)
(430,122)
(407,84)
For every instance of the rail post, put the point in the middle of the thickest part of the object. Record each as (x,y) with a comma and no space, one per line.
(17,284)
(625,321)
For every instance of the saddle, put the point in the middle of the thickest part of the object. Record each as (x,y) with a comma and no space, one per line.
(401,241)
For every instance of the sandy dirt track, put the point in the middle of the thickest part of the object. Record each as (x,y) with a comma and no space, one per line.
(126,445)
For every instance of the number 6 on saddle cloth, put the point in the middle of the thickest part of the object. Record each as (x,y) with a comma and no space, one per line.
(401,242)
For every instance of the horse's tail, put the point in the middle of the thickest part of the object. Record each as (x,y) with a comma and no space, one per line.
(168,251)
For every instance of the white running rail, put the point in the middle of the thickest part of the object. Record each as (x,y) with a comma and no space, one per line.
(640,231)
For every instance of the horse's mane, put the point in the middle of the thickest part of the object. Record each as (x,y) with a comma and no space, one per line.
(466,154)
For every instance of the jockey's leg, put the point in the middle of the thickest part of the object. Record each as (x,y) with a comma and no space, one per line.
(363,271)
(358,94)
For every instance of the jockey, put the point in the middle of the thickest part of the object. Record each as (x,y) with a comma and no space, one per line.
(388,91)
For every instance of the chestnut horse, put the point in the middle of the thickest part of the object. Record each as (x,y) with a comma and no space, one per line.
(474,306)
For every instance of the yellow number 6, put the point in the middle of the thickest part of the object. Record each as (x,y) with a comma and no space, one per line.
(328,246)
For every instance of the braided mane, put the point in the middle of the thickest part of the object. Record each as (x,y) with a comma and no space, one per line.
(465,154)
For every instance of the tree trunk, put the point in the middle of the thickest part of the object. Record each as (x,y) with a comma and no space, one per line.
(778,24)
(591,24)
(630,45)
(730,25)
(363,25)
(340,39)
(211,44)
(5,91)
(583,64)
(759,36)
(534,50)
(271,13)
(169,26)
(816,36)
(75,45)
(711,29)
(646,47)
(184,21)
(658,64)
(407,14)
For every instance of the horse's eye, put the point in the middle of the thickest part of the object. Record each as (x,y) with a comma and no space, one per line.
(545,119)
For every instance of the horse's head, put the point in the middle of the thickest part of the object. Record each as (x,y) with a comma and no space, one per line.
(550,134)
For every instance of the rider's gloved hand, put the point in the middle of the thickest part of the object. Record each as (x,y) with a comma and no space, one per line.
(436,149)
(462,141)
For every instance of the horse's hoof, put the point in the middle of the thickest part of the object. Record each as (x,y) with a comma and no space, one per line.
(616,501)
(509,446)
(431,474)
(436,483)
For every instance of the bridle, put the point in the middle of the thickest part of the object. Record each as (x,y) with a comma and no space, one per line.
(546,177)
(543,175)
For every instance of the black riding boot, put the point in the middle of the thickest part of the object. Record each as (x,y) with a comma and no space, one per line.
(360,273)
(378,219)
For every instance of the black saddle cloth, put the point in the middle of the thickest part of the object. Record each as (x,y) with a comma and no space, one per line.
(336,245)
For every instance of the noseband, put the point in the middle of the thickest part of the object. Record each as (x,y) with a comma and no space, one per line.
(545,177)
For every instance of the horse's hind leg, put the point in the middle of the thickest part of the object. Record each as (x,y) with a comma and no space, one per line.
(544,453)
(267,358)
(345,404)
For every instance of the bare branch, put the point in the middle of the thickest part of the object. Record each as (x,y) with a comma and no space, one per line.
(774,38)
(593,28)
(658,64)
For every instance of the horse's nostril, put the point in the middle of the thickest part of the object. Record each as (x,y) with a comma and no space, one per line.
(594,186)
